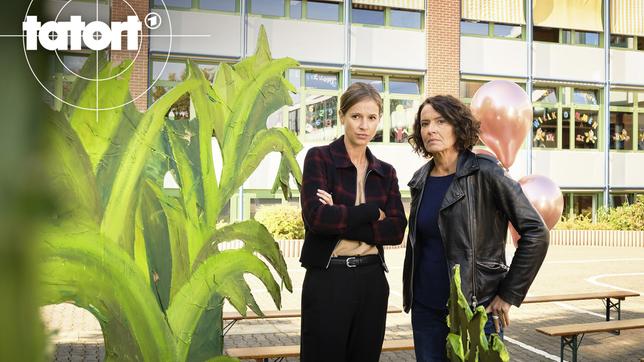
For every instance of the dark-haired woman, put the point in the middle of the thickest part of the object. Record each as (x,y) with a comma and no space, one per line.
(460,208)
(351,207)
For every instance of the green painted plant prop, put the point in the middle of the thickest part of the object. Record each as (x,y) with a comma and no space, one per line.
(466,340)
(147,263)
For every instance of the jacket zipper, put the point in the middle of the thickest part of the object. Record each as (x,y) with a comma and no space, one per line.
(471,222)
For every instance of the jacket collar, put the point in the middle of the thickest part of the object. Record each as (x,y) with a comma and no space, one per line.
(341,157)
(466,165)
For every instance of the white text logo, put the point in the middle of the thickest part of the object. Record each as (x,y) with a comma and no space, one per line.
(67,35)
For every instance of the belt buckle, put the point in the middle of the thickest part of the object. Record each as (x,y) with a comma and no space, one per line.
(352,262)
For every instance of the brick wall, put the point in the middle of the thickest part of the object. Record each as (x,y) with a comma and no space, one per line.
(443,47)
(139,74)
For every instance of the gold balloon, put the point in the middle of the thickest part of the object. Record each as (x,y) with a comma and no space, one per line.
(505,112)
(545,196)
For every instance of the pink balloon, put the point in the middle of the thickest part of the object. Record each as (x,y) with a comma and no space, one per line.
(545,196)
(505,112)
(482,151)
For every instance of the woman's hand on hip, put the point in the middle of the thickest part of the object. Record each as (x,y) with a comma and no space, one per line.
(500,309)
(325,197)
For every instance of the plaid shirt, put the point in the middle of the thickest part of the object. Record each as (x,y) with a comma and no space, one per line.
(329,168)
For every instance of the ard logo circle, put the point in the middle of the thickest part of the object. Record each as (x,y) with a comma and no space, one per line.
(70,31)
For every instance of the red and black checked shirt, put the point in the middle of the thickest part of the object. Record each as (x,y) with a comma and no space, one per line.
(329,168)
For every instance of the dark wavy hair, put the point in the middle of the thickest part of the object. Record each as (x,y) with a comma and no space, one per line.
(466,127)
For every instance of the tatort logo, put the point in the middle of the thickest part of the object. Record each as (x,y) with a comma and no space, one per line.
(67,35)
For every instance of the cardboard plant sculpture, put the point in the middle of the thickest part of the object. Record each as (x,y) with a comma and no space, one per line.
(146,262)
(466,341)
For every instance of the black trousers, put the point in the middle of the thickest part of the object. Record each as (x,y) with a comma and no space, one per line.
(343,313)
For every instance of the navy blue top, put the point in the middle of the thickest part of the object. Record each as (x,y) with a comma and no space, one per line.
(431,283)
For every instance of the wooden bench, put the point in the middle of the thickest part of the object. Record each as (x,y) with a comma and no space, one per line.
(280,352)
(234,317)
(570,332)
(612,299)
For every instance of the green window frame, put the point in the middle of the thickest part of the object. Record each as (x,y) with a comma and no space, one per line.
(387,18)
(492,30)
(570,37)
(195,5)
(581,203)
(633,43)
(633,108)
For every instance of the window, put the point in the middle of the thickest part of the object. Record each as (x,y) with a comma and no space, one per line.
(640,132)
(295,10)
(468,88)
(565,128)
(585,96)
(404,86)
(544,124)
(174,3)
(619,98)
(376,82)
(544,95)
(579,204)
(403,113)
(322,10)
(367,16)
(221,5)
(586,129)
(640,99)
(321,117)
(586,38)
(474,28)
(62,76)
(507,31)
(549,35)
(321,80)
(640,43)
(406,18)
(267,7)
(621,41)
(621,127)
(621,199)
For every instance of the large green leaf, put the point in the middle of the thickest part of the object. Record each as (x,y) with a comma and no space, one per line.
(222,273)
(83,268)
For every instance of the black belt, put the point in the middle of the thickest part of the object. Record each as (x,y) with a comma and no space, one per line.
(355,261)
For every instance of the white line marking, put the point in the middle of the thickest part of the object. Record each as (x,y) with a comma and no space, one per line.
(593,280)
(532,349)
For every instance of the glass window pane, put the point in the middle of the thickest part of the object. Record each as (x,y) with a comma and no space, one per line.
(73,63)
(180,110)
(640,99)
(174,3)
(586,38)
(474,28)
(617,200)
(582,204)
(404,86)
(321,118)
(621,128)
(209,71)
(173,71)
(546,34)
(544,124)
(294,76)
(296,9)
(376,82)
(267,7)
(585,96)
(468,88)
(403,112)
(565,128)
(640,43)
(365,16)
(507,31)
(620,98)
(640,131)
(566,36)
(406,19)
(294,114)
(544,95)
(222,5)
(586,129)
(322,11)
(321,80)
(621,41)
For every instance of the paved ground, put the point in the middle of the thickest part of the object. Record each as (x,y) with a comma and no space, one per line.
(566,270)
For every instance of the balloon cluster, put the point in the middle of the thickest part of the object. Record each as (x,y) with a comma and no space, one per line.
(505,112)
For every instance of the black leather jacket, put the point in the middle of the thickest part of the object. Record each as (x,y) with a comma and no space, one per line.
(473,222)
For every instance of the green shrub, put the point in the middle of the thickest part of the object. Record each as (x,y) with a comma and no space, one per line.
(283,221)
(627,217)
